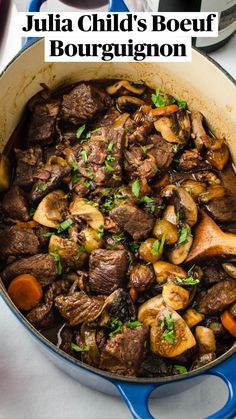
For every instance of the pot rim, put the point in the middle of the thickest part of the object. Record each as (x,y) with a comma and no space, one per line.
(75,362)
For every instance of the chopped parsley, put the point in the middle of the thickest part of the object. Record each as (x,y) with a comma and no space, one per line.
(110,146)
(74,178)
(190,280)
(108,166)
(58,260)
(134,324)
(119,237)
(31,212)
(79,349)
(109,203)
(182,104)
(42,187)
(89,174)
(87,183)
(82,249)
(185,231)
(155,248)
(134,247)
(169,332)
(77,257)
(110,158)
(158,99)
(100,231)
(136,188)
(65,225)
(180,369)
(175,148)
(48,234)
(146,199)
(144,149)
(80,131)
(74,166)
(115,325)
(84,156)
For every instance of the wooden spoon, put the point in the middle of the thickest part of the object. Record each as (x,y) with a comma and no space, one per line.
(210,240)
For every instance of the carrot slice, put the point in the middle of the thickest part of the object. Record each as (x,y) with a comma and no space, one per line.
(28,224)
(229,322)
(165,110)
(25,291)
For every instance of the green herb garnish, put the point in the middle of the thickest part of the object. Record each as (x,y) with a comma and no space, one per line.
(89,174)
(58,260)
(155,247)
(87,183)
(108,166)
(132,325)
(42,187)
(163,239)
(182,104)
(185,231)
(80,131)
(110,146)
(175,148)
(84,156)
(158,99)
(79,349)
(180,369)
(74,179)
(100,231)
(31,212)
(74,166)
(144,148)
(190,280)
(168,324)
(145,199)
(65,225)
(48,234)
(136,188)
(134,247)
(115,326)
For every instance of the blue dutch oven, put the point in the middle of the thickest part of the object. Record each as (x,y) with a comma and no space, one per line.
(21,80)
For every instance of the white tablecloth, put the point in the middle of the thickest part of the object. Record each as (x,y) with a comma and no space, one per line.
(32,388)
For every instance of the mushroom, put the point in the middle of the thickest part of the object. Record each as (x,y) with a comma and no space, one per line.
(51,209)
(192,317)
(142,277)
(205,339)
(69,252)
(128,103)
(121,120)
(148,311)
(118,305)
(212,192)
(168,191)
(91,239)
(164,227)
(230,269)
(170,215)
(210,240)
(174,128)
(124,86)
(5,173)
(180,252)
(200,136)
(206,176)
(151,249)
(88,335)
(170,336)
(185,205)
(218,158)
(167,271)
(86,210)
(203,360)
(175,296)
(194,188)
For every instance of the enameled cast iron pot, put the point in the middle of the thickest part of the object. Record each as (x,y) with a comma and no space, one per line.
(204,86)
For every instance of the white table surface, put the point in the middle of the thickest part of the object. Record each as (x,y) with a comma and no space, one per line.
(32,388)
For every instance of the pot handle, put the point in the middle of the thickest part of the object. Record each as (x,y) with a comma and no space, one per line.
(226,371)
(136,397)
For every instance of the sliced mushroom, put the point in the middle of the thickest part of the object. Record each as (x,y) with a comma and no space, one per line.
(86,210)
(183,338)
(210,240)
(142,277)
(193,317)
(174,128)
(212,192)
(180,252)
(168,191)
(124,85)
(170,215)
(167,271)
(185,205)
(151,250)
(51,210)
(194,188)
(205,339)
(5,173)
(91,239)
(230,269)
(148,311)
(59,161)
(175,296)
(208,177)
(121,120)
(129,103)
(164,227)
(200,136)
(218,158)
(70,253)
(88,334)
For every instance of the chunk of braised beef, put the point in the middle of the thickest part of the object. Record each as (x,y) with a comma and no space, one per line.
(108,119)
(83,103)
(47,179)
(125,351)
(42,123)
(17,241)
(42,266)
(162,151)
(142,277)
(15,204)
(190,159)
(213,272)
(79,307)
(100,158)
(218,297)
(107,270)
(141,133)
(139,164)
(154,366)
(27,162)
(132,219)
